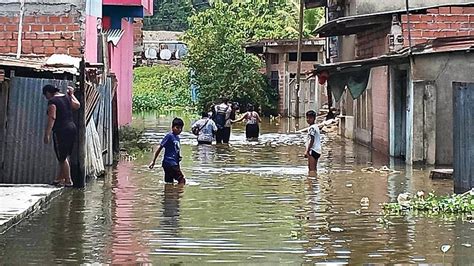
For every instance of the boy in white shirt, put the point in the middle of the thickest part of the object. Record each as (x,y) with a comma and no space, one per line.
(313,143)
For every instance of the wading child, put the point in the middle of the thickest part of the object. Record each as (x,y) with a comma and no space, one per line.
(172,156)
(313,144)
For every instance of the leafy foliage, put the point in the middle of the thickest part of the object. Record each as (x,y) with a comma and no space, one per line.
(171,15)
(221,67)
(161,87)
(432,204)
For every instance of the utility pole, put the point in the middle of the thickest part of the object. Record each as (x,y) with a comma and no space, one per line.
(298,68)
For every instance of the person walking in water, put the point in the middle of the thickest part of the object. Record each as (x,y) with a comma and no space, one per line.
(313,143)
(222,119)
(172,156)
(252,120)
(204,129)
(61,126)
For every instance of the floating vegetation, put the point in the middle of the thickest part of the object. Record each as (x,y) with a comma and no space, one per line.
(431,204)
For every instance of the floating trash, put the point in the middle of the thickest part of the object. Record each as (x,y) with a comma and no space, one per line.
(445,248)
(337,229)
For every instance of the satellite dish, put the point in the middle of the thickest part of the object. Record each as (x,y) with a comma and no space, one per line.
(151,53)
(181,52)
(165,54)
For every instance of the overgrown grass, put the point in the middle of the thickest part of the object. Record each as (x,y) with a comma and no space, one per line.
(131,141)
(161,87)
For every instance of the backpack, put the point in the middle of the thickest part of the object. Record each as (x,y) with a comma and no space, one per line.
(219,118)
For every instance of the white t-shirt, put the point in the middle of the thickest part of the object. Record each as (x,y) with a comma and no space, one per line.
(314,131)
(205,134)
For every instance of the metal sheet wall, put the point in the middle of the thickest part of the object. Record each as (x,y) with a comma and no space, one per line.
(103,119)
(463,107)
(27,158)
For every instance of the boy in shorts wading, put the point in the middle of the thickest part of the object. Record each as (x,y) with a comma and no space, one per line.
(313,143)
(172,155)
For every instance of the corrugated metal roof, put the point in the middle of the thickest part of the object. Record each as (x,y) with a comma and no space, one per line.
(27,158)
(114,35)
(56,64)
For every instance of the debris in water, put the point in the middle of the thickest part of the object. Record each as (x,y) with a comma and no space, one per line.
(365,202)
(404,199)
(337,229)
(383,170)
(348,185)
(445,248)
(467,245)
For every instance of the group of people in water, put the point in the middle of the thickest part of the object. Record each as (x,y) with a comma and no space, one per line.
(217,123)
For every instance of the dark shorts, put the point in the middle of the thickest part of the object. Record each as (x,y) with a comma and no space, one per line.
(252,131)
(64,142)
(173,173)
(315,155)
(223,135)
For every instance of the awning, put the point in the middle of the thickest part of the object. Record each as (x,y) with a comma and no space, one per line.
(355,81)
(114,35)
(352,24)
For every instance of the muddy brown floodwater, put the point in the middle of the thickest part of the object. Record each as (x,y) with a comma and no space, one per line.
(248,203)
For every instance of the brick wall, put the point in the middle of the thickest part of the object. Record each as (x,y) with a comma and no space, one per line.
(380,109)
(138,34)
(439,22)
(372,42)
(42,34)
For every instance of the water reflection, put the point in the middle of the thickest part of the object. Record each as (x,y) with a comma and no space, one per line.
(245,203)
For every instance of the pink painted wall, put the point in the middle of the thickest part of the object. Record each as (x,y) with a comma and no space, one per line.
(91,39)
(121,64)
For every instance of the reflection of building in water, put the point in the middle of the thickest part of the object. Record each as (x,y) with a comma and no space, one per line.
(127,243)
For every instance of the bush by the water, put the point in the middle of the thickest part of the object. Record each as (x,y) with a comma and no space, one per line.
(161,87)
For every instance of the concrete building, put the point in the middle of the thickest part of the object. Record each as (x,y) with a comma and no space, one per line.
(392,73)
(280,58)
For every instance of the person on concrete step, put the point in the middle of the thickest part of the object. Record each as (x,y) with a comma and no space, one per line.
(62,128)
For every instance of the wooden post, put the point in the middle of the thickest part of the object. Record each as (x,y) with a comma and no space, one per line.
(79,168)
(298,67)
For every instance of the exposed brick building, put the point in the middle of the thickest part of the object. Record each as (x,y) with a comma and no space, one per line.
(46,29)
(375,38)
(280,68)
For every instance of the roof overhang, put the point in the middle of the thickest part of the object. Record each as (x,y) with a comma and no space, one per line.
(439,45)
(260,47)
(352,24)
(359,23)
(56,63)
(315,3)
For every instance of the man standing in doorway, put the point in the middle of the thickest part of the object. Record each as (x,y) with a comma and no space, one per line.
(223,122)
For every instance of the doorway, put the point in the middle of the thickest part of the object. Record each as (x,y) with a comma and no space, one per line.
(398,111)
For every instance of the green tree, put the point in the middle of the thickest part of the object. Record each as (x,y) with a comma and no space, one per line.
(170,15)
(221,66)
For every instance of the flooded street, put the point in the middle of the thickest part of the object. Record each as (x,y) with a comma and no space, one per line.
(246,203)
